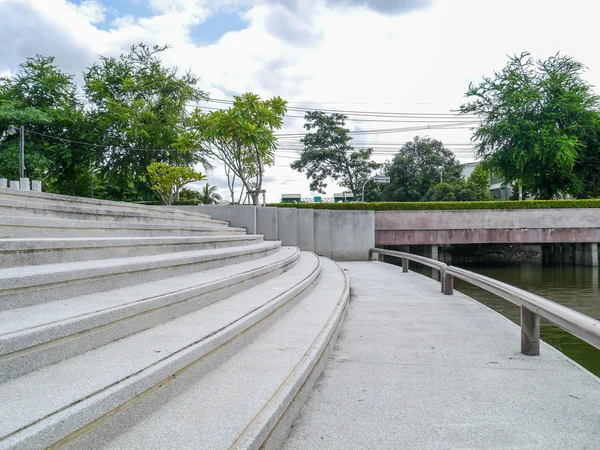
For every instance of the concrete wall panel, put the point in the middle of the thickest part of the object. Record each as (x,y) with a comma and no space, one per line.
(237,216)
(287,226)
(306,229)
(322,220)
(266,223)
(352,235)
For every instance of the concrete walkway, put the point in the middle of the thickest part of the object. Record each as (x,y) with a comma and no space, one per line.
(415,369)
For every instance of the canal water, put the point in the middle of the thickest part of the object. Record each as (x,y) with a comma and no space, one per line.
(573,286)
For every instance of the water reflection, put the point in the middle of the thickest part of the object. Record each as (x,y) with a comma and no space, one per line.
(573,286)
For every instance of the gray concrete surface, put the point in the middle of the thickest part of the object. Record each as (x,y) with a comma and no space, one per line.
(287,226)
(237,404)
(306,229)
(266,223)
(322,220)
(240,216)
(414,369)
(35,413)
(340,235)
(487,226)
(352,232)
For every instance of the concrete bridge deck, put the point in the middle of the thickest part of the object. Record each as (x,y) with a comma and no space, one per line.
(415,369)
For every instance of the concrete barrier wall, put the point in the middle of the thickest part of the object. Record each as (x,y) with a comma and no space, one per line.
(266,223)
(287,225)
(306,229)
(487,226)
(340,235)
(237,216)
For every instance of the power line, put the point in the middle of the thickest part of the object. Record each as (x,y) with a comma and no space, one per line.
(87,144)
(361,113)
(446,126)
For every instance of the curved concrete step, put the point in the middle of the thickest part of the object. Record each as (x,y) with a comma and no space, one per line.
(44,334)
(55,404)
(33,252)
(57,199)
(35,227)
(16,208)
(247,402)
(30,285)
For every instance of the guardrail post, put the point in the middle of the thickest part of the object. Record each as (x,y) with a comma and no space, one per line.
(404,265)
(530,332)
(448,283)
(371,255)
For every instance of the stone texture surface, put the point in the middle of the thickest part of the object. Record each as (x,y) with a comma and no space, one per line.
(266,223)
(102,379)
(306,230)
(214,410)
(419,370)
(287,226)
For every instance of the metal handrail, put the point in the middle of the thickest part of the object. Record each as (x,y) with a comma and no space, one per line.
(405,257)
(532,306)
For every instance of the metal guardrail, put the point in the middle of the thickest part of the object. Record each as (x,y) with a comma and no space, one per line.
(405,257)
(532,306)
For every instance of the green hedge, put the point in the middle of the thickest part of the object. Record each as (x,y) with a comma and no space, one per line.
(438,206)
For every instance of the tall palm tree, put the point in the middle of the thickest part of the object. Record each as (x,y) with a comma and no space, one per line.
(209,195)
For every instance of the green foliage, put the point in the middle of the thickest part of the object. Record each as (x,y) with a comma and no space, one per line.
(441,206)
(139,109)
(167,180)
(328,154)
(539,126)
(44,100)
(242,137)
(209,195)
(417,167)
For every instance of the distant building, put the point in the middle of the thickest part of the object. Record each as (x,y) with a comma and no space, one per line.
(496,188)
(343,197)
(291,198)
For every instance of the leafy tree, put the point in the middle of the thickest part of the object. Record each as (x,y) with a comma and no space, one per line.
(535,119)
(328,154)
(242,137)
(139,111)
(44,100)
(417,167)
(209,195)
(168,181)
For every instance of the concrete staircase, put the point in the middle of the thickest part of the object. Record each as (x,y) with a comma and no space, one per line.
(126,326)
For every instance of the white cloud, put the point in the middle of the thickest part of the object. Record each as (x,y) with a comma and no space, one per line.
(349,52)
(93,10)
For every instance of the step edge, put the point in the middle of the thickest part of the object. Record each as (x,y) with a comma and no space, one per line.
(156,375)
(202,289)
(266,422)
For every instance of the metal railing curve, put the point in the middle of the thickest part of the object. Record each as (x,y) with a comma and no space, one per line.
(532,306)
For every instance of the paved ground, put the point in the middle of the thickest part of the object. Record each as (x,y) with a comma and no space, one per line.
(415,369)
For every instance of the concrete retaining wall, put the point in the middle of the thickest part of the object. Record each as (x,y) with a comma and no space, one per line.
(487,226)
(340,235)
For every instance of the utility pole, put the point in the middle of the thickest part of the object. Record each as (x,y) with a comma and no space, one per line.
(22,150)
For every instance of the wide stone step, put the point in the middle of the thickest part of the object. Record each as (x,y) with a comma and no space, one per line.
(35,336)
(35,227)
(33,252)
(55,404)
(58,199)
(251,399)
(29,285)
(27,208)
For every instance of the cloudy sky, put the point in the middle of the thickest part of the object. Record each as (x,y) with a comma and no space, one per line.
(406,63)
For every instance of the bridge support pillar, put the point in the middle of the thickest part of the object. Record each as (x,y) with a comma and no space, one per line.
(546,254)
(566,254)
(556,253)
(590,253)
(578,251)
